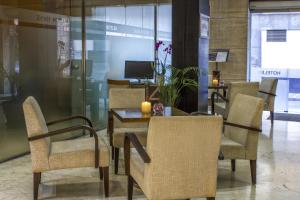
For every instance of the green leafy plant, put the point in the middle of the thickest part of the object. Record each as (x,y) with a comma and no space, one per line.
(174,83)
(171,80)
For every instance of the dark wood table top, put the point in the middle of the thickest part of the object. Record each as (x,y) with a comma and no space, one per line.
(217,87)
(135,114)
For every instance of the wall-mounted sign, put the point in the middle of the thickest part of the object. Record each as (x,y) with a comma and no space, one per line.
(278,73)
(218,55)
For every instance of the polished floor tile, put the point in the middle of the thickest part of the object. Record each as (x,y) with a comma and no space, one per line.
(278,175)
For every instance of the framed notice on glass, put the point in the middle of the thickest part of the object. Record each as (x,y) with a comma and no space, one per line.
(204,26)
(218,55)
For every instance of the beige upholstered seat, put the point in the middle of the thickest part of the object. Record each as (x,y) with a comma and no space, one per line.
(234,88)
(47,155)
(184,158)
(125,98)
(232,149)
(220,108)
(267,91)
(238,142)
(78,152)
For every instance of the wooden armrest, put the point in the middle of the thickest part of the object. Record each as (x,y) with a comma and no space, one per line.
(70,118)
(72,128)
(271,94)
(242,126)
(131,138)
(213,96)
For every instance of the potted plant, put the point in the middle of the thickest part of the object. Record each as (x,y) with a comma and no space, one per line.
(170,80)
(172,87)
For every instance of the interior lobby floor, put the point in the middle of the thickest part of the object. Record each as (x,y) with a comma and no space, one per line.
(278,174)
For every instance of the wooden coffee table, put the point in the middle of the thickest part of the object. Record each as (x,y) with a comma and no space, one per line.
(130,115)
(135,114)
(219,87)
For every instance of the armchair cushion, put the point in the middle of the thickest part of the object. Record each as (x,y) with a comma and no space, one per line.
(232,149)
(220,108)
(77,153)
(119,135)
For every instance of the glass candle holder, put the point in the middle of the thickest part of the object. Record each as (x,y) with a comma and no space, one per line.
(146,107)
(215,82)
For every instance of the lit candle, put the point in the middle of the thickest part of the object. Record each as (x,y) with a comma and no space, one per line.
(215,82)
(146,107)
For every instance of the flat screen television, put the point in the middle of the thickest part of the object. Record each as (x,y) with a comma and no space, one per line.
(139,70)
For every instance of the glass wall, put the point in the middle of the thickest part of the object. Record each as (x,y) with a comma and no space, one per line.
(274,52)
(36,50)
(41,52)
(116,34)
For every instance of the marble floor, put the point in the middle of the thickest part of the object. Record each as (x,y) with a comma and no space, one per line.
(278,175)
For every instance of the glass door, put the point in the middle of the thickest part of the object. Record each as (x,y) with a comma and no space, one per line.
(63,52)
(274,50)
(37,49)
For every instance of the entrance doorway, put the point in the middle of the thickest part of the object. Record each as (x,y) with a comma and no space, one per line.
(275,52)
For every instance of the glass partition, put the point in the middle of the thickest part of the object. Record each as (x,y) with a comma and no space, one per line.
(114,35)
(41,53)
(36,50)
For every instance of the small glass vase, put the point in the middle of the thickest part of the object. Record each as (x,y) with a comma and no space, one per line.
(158,109)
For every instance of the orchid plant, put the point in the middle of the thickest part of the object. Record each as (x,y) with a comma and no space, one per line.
(172,84)
(161,64)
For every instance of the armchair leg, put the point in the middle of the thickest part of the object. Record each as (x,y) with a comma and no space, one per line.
(101,173)
(233,165)
(210,198)
(253,171)
(117,151)
(130,187)
(36,183)
(112,153)
(272,117)
(106,180)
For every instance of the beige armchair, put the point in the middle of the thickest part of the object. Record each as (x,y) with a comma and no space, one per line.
(180,160)
(234,88)
(242,131)
(124,98)
(48,156)
(267,91)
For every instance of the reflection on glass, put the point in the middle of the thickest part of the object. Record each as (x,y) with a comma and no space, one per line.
(35,60)
(118,34)
(41,56)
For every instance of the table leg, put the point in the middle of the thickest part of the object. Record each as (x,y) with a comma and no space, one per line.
(110,131)
(224,92)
